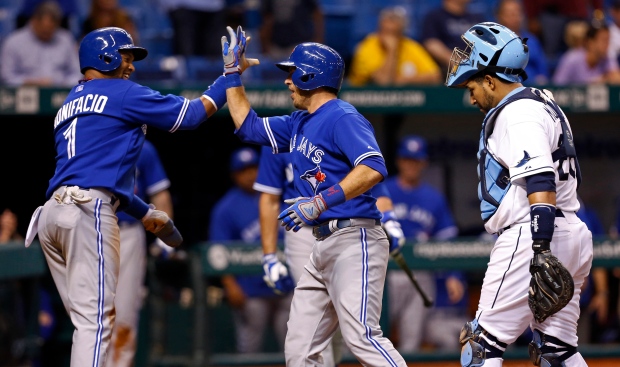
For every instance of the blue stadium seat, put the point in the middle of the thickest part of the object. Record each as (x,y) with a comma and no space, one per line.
(161,69)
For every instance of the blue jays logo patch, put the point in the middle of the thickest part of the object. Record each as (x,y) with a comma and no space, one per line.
(314,177)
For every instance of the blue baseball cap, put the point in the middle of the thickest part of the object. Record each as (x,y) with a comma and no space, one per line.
(243,158)
(412,146)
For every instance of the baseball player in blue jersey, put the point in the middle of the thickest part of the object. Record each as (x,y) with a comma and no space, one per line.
(529,174)
(336,161)
(424,214)
(275,182)
(152,185)
(99,132)
(253,303)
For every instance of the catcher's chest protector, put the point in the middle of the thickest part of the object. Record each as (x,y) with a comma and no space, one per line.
(494,178)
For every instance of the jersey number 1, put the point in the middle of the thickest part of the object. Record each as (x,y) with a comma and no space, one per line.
(69,135)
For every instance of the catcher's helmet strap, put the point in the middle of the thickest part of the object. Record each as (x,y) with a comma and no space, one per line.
(509,71)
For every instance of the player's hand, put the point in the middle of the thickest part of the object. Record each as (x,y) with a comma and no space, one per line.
(276,275)
(303,212)
(394,232)
(233,52)
(158,223)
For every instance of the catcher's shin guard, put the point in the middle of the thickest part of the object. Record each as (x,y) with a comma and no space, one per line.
(548,351)
(478,345)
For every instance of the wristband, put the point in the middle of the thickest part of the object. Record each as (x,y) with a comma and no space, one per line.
(137,208)
(233,80)
(388,215)
(216,93)
(542,221)
(333,196)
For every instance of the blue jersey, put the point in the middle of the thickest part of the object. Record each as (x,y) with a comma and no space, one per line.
(325,146)
(99,132)
(275,175)
(235,218)
(151,178)
(423,212)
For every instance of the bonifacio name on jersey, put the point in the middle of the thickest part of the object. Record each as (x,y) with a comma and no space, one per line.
(88,103)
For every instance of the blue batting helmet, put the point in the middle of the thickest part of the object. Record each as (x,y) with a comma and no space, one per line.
(492,47)
(316,65)
(99,49)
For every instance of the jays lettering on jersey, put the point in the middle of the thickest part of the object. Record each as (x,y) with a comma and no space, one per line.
(524,138)
(112,115)
(318,142)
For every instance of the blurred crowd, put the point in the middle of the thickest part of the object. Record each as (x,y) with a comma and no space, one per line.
(395,42)
(570,42)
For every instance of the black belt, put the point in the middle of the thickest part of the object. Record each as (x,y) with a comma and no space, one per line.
(558,214)
(324,230)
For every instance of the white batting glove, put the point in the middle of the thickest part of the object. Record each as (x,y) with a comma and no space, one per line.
(158,223)
(394,232)
(276,275)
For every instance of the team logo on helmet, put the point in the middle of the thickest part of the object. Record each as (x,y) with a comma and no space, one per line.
(314,177)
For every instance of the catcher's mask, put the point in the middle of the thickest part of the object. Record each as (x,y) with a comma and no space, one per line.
(492,47)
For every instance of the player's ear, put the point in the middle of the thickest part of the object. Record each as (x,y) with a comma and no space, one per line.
(489,81)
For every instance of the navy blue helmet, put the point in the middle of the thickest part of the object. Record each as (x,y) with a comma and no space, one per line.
(316,65)
(100,48)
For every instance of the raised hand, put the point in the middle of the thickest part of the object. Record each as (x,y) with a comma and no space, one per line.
(233,51)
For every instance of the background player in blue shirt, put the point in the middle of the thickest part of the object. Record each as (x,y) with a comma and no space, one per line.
(424,214)
(336,161)
(235,218)
(152,185)
(99,132)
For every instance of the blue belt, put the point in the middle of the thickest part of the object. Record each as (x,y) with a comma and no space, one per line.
(324,230)
(558,214)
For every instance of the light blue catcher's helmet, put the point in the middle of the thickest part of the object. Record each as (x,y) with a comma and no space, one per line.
(491,47)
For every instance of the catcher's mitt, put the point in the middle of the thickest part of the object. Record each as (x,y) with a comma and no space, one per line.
(551,287)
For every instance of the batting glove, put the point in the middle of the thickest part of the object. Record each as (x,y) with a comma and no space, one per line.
(158,223)
(303,212)
(276,275)
(394,232)
(233,51)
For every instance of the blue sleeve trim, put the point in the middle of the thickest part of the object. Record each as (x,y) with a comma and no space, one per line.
(137,208)
(377,163)
(540,182)
(195,115)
